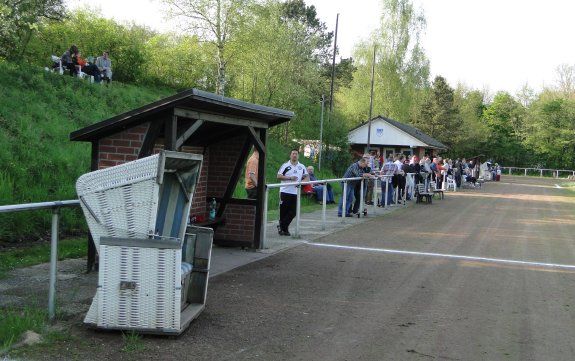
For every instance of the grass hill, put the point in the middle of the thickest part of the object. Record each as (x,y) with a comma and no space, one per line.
(38,162)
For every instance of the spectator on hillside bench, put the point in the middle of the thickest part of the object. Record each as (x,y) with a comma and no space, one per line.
(70,59)
(104,64)
(91,69)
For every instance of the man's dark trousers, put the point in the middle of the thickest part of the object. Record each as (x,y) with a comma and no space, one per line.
(288,208)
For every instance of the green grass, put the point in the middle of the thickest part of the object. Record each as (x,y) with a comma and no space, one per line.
(570,185)
(29,256)
(133,342)
(14,322)
(38,162)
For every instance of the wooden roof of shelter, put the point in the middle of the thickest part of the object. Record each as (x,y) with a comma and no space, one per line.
(199,118)
(218,116)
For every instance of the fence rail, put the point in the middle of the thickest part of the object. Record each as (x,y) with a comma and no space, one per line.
(55,206)
(345,181)
(555,173)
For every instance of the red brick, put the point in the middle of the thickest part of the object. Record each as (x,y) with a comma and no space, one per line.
(114,156)
(127,150)
(106,163)
(132,137)
(121,143)
(106,148)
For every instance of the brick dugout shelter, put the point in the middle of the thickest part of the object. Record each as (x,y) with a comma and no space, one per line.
(221,129)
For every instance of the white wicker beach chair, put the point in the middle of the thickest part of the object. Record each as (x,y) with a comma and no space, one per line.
(137,214)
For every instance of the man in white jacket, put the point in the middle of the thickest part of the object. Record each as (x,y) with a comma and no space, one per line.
(104,64)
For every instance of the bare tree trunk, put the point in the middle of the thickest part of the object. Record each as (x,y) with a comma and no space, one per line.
(221,84)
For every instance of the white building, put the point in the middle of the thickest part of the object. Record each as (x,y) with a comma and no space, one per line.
(389,136)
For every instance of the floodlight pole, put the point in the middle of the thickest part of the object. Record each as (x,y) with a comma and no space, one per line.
(371,101)
(322,99)
(333,65)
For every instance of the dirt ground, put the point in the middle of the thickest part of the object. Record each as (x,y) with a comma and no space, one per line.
(485,274)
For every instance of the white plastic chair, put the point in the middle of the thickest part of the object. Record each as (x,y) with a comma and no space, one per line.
(58,61)
(450,184)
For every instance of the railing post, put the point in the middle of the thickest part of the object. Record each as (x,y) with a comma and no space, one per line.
(386,192)
(540,172)
(297,211)
(344,202)
(526,172)
(374,199)
(53,263)
(361,200)
(404,198)
(265,215)
(324,206)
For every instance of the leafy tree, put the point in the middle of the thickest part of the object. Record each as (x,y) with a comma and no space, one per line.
(179,61)
(566,79)
(401,67)
(214,21)
(472,136)
(314,30)
(438,115)
(280,64)
(525,95)
(505,117)
(19,19)
(550,128)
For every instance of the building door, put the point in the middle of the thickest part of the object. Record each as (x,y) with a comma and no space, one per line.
(407,151)
(388,152)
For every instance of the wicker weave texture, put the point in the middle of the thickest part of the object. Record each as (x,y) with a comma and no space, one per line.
(154,300)
(121,201)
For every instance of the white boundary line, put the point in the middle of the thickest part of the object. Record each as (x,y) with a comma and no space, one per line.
(454,256)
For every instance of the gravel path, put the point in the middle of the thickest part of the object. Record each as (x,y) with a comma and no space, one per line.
(482,275)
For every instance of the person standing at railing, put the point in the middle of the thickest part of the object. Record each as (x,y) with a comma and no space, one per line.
(388,170)
(373,166)
(355,170)
(291,171)
(399,179)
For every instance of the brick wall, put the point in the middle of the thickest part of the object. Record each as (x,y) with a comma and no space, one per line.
(121,147)
(218,163)
(199,200)
(240,223)
(240,219)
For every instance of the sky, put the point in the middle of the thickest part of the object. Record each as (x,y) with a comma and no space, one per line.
(491,45)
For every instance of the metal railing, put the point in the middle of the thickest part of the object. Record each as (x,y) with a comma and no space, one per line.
(324,182)
(55,206)
(555,173)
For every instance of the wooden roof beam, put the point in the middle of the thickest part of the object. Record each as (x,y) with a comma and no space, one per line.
(217,118)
